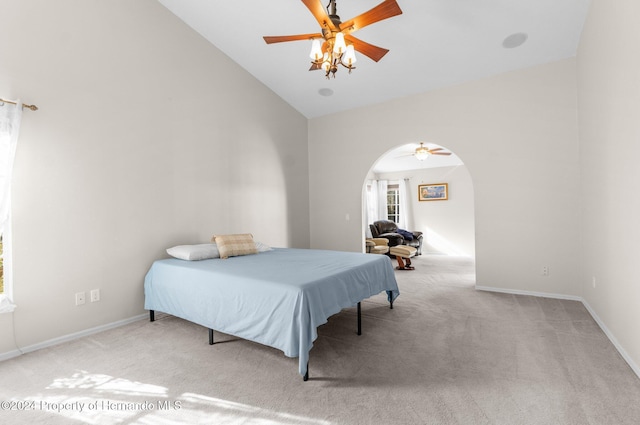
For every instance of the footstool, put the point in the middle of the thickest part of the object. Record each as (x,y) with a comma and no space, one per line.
(403,254)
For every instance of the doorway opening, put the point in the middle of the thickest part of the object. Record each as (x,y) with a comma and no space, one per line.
(433,195)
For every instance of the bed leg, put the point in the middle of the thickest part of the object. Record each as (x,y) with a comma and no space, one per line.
(359,320)
(152,315)
(305,378)
(390,298)
(210,336)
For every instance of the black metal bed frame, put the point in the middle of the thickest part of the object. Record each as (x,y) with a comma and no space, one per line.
(152,318)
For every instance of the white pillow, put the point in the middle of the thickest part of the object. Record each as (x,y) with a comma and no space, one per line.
(194,252)
(261,247)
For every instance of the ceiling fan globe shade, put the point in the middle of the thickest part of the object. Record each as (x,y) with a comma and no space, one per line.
(350,55)
(339,46)
(326,64)
(421,153)
(316,50)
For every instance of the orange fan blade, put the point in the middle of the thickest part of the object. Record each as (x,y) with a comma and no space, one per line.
(317,10)
(283,38)
(440,153)
(374,52)
(434,149)
(384,10)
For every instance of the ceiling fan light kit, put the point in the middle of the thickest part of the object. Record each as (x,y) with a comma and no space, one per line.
(339,45)
(338,54)
(422,152)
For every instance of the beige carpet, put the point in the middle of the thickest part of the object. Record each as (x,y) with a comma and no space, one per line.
(446,354)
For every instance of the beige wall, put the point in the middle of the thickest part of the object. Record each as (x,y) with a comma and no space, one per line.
(147,136)
(517,135)
(609,106)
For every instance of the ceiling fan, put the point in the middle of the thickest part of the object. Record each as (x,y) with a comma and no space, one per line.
(335,45)
(422,152)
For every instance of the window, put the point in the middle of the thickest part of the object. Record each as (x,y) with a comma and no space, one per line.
(393,203)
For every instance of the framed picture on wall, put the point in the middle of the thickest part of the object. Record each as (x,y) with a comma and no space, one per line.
(433,192)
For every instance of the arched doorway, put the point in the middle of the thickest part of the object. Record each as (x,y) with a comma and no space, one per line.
(447,222)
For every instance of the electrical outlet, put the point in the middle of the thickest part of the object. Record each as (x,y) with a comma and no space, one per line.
(80,298)
(544,271)
(95,295)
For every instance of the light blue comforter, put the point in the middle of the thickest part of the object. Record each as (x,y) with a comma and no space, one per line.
(277,298)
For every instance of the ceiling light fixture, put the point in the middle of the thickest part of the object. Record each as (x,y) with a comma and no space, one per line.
(336,45)
(421,153)
(334,51)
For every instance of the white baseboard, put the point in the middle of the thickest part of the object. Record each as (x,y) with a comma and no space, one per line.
(530,293)
(9,355)
(599,321)
(613,339)
(70,337)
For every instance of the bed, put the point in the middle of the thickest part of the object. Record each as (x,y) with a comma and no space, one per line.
(277,298)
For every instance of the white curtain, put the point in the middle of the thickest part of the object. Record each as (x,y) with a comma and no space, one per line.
(376,202)
(372,205)
(404,219)
(10,117)
(382,200)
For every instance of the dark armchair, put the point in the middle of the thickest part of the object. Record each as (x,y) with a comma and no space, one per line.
(389,230)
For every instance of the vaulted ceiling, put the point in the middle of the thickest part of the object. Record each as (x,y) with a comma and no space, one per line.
(433,44)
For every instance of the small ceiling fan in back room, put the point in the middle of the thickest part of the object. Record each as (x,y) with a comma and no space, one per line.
(335,45)
(422,152)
